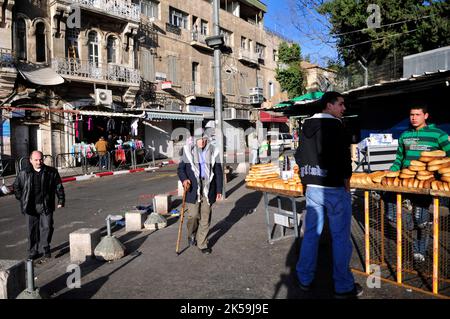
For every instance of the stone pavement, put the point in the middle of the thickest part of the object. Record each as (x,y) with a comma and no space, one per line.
(242,265)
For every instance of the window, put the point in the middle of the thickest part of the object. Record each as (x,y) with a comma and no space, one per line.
(149,8)
(178,18)
(274,55)
(204,27)
(40,42)
(271,89)
(243,43)
(259,49)
(93,48)
(111,49)
(226,37)
(21,40)
(72,43)
(147,65)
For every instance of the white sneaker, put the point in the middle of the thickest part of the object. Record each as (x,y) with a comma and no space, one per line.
(419,257)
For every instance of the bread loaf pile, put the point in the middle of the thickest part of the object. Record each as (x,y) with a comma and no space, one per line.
(430,171)
(268,176)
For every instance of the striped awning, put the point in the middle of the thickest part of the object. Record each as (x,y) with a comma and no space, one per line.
(153,115)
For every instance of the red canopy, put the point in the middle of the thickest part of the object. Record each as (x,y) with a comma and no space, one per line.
(270,117)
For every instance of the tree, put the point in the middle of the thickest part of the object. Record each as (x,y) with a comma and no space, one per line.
(289,73)
(406,27)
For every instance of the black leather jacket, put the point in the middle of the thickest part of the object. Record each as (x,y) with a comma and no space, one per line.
(50,184)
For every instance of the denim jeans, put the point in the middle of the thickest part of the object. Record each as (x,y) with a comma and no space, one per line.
(418,218)
(336,203)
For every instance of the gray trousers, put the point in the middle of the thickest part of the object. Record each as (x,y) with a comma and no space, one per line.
(40,232)
(199,220)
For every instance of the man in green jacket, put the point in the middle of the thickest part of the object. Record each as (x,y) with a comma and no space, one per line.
(418,138)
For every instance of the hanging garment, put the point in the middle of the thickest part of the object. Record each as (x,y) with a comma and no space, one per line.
(122,128)
(111,125)
(77,134)
(120,155)
(90,126)
(134,127)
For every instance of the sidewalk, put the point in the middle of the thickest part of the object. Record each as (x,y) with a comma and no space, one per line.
(242,265)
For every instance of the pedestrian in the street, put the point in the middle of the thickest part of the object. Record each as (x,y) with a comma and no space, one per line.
(325,169)
(35,187)
(418,138)
(201,173)
(254,146)
(102,148)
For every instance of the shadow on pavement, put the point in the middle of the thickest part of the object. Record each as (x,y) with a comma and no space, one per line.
(244,206)
(322,286)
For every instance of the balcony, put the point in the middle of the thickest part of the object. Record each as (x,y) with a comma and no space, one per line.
(198,40)
(197,89)
(115,74)
(248,56)
(117,8)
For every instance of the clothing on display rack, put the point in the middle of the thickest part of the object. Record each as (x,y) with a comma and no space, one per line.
(134,127)
(111,125)
(89,123)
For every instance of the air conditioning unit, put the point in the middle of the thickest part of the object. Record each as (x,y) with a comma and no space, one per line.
(229,113)
(103,97)
(255,91)
(210,90)
(256,99)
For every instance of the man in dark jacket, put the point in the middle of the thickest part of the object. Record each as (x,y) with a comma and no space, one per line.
(35,187)
(324,161)
(201,174)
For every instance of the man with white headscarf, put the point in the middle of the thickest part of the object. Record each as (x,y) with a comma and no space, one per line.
(201,173)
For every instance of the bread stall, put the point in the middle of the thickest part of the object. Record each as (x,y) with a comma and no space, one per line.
(429,176)
(266,179)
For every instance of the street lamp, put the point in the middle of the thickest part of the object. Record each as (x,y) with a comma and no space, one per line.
(216,41)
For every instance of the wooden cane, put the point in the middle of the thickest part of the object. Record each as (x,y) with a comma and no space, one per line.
(181,221)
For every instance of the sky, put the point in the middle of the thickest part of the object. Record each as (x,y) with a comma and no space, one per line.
(278,18)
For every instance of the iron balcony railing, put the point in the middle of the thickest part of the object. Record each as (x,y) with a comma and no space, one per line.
(118,8)
(96,71)
(196,88)
(198,37)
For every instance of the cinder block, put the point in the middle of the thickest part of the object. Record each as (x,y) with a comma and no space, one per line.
(162,204)
(12,278)
(134,220)
(82,243)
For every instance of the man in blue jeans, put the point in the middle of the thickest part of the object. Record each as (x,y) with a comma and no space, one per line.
(325,169)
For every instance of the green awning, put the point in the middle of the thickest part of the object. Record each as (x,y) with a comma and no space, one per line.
(308,97)
(283,104)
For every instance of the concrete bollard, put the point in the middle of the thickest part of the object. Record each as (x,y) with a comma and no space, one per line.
(243,168)
(82,243)
(109,248)
(32,292)
(134,220)
(162,204)
(12,278)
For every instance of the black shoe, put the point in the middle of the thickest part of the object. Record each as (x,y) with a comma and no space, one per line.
(206,250)
(33,256)
(352,294)
(192,241)
(305,288)
(47,253)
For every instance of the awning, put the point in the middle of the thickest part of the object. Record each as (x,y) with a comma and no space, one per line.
(271,117)
(154,115)
(283,104)
(109,114)
(40,75)
(308,97)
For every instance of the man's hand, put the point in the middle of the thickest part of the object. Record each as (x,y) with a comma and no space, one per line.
(59,206)
(186,184)
(219,196)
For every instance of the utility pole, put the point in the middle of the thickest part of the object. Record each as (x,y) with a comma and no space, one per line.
(216,42)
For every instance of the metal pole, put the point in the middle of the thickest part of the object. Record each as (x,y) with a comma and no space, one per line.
(218,95)
(108,226)
(30,276)
(153,153)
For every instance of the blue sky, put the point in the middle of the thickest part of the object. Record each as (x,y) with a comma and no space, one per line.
(278,18)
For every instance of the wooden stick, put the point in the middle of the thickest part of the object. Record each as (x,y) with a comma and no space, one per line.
(180,227)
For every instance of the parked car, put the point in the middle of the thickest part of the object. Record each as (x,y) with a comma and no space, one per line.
(280,140)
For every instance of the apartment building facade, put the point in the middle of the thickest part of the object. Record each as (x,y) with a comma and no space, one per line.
(69,66)
(181,67)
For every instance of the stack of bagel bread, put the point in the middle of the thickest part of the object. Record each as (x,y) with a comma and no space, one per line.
(430,171)
(268,176)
